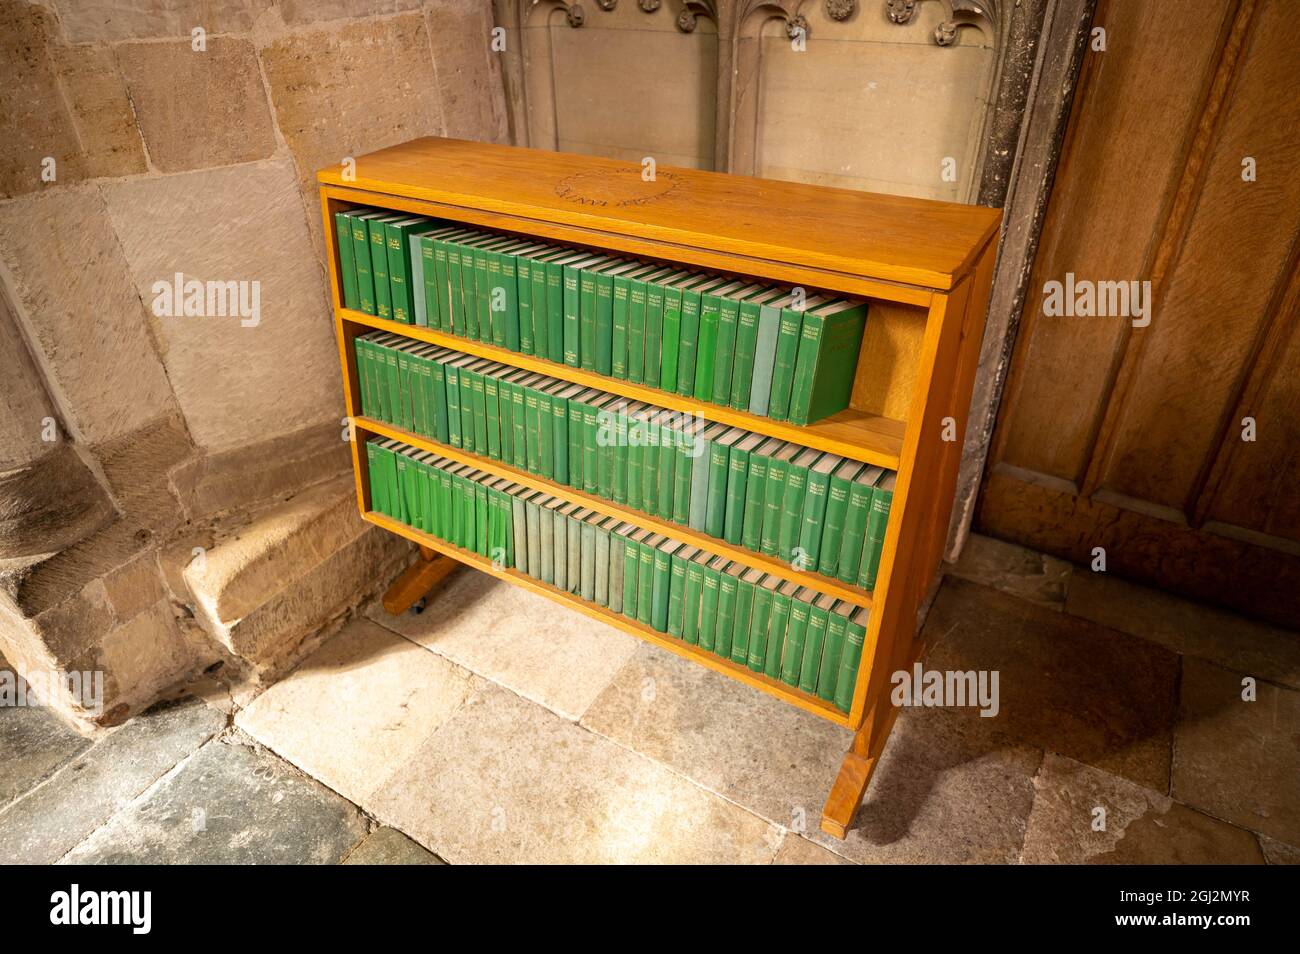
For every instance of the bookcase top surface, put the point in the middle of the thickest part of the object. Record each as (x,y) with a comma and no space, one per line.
(890,238)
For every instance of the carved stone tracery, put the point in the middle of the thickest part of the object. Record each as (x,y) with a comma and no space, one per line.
(983,14)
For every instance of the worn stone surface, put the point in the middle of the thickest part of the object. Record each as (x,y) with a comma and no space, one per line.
(51,503)
(198,109)
(34,742)
(524,641)
(110,20)
(138,470)
(66,265)
(95,92)
(43,826)
(1142,827)
(1238,760)
(469,77)
(1028,574)
(141,657)
(388,846)
(1193,629)
(358,708)
(1279,853)
(767,756)
(298,12)
(1065,685)
(229,804)
(948,790)
(797,850)
(235,380)
(506,781)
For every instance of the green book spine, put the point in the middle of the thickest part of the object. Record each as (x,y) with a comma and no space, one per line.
(796,485)
(777,626)
(769,325)
(621,455)
(587,319)
(560,439)
(837,509)
(724,628)
(441,429)
(405,509)
(828,672)
(399,279)
(524,296)
(618,329)
(590,450)
(813,642)
(555,311)
(734,508)
(392,386)
(687,343)
(654,333)
(468,434)
(533,428)
(419,370)
(347,263)
(671,341)
(379,268)
(572,349)
(519,418)
(708,626)
(587,561)
(617,565)
(406,392)
(650,470)
(666,479)
(855,634)
(452,376)
(422,282)
(660,586)
(455,292)
(480,413)
(795,634)
(361,354)
(827,361)
(740,626)
(575,443)
(715,513)
(541,332)
(691,602)
(492,416)
(631,585)
(505,416)
(481,520)
(545,436)
(755,506)
(602,566)
(636,452)
(682,473)
(361,262)
(773,501)
(483,284)
(378,492)
(604,344)
(438,290)
(645,584)
(725,350)
(760,616)
(636,304)
(877,522)
(787,352)
(742,370)
(676,595)
(511,317)
(706,346)
(606,454)
(814,517)
(550,552)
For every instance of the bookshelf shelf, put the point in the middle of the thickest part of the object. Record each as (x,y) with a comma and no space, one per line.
(768,564)
(924,267)
(857,435)
(803,700)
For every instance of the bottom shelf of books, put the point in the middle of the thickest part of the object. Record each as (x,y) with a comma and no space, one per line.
(791,641)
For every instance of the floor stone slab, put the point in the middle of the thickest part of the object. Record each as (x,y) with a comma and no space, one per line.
(34,743)
(1065,685)
(1141,827)
(1193,629)
(1278,852)
(1239,760)
(48,822)
(357,708)
(523,641)
(948,790)
(506,781)
(1025,573)
(796,850)
(770,757)
(229,804)
(388,846)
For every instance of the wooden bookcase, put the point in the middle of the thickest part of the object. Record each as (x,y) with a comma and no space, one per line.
(924,266)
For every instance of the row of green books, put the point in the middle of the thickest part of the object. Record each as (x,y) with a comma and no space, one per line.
(751,346)
(818,510)
(804,638)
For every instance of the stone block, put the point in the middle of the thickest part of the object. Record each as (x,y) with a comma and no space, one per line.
(139,471)
(95,92)
(83,313)
(34,743)
(237,382)
(86,21)
(1028,574)
(388,846)
(298,12)
(198,108)
(469,73)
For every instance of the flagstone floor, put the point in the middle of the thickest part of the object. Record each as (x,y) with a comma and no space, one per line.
(498,727)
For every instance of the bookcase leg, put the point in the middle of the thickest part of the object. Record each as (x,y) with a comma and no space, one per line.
(417,580)
(855,774)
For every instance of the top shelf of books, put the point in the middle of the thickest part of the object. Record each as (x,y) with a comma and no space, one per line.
(832,238)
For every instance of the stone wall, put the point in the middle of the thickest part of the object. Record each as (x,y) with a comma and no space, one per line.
(173,490)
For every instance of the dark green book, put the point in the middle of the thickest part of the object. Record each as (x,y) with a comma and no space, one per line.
(795,635)
(778,468)
(688,337)
(760,617)
(814,642)
(539,303)
(777,627)
(725,344)
(715,514)
(375,465)
(618,565)
(837,510)
(751,532)
(560,431)
(828,357)
(587,319)
(654,326)
(556,303)
(877,523)
(400,288)
(706,348)
(724,628)
(638,295)
(618,324)
(347,264)
(603,337)
(632,572)
(746,355)
(670,348)
(375,228)
(816,493)
(792,506)
(691,597)
(855,635)
(572,313)
(737,486)
(829,671)
(787,354)
(645,578)
(665,478)
(683,472)
(681,559)
(745,589)
(361,259)
(662,584)
(708,627)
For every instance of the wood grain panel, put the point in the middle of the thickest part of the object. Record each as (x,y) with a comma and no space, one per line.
(889,359)
(1139,103)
